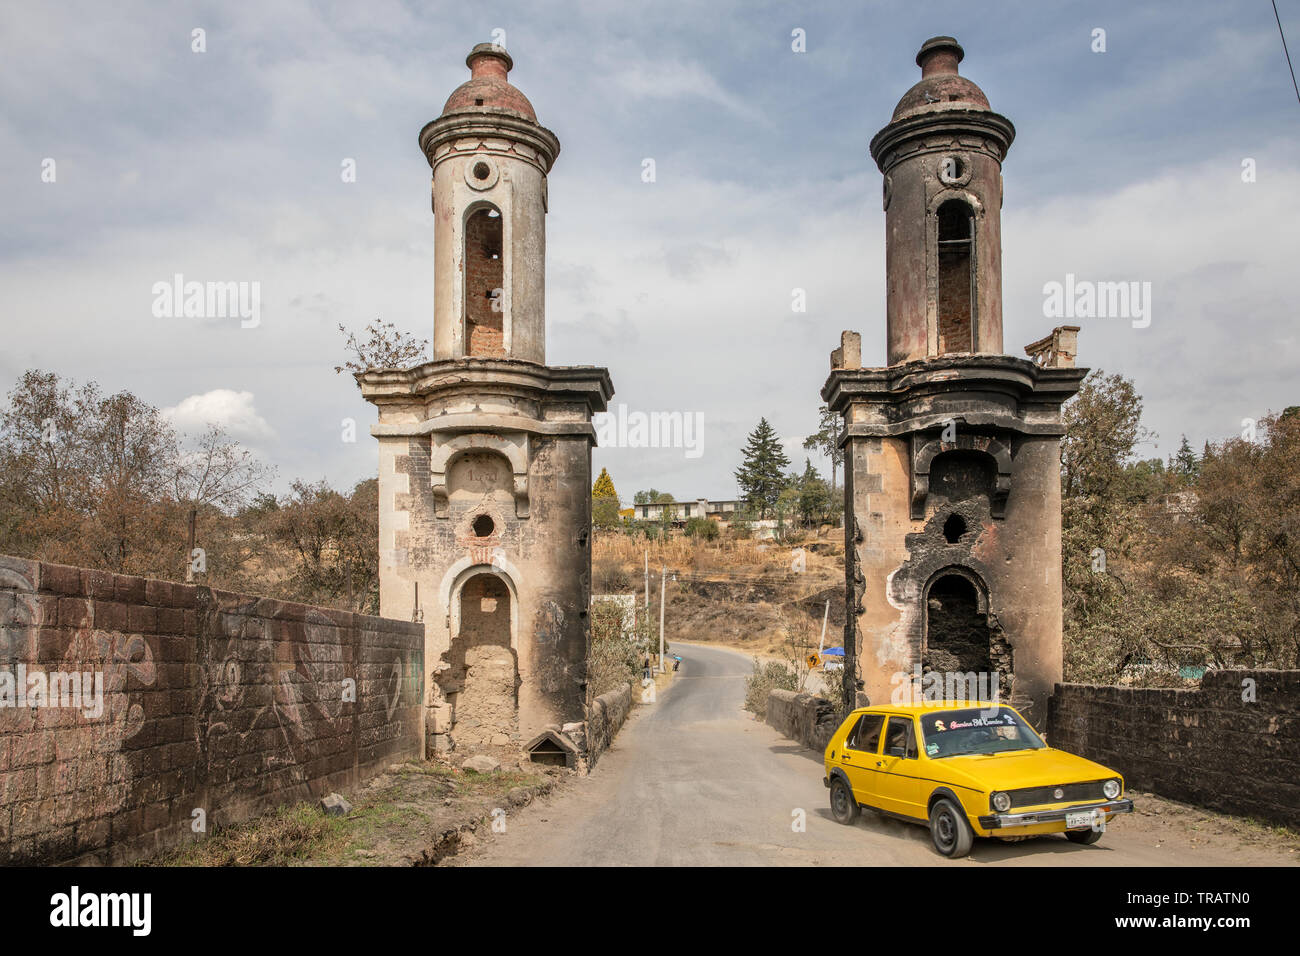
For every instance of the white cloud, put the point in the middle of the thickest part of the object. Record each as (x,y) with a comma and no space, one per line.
(234,411)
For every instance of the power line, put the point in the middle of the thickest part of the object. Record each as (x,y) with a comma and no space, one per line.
(1286,51)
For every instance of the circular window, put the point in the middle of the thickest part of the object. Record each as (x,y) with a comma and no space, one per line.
(483,526)
(481,173)
(953,171)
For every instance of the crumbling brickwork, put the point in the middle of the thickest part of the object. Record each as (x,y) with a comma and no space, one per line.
(1233,744)
(213,701)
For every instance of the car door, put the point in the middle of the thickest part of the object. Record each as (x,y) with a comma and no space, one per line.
(859,755)
(898,777)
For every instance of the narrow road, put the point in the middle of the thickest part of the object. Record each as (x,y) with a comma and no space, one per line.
(693,780)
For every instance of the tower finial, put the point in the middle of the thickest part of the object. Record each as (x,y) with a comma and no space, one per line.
(489,59)
(939,55)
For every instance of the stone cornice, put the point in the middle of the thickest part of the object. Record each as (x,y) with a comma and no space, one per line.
(899,138)
(996,393)
(545,384)
(489,124)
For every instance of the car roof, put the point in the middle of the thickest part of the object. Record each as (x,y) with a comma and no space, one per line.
(927,707)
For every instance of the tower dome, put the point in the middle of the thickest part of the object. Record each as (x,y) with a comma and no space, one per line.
(488,89)
(941,87)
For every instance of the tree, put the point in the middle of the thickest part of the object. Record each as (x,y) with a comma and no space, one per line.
(762,472)
(1184,463)
(604,502)
(387,347)
(332,538)
(214,470)
(814,496)
(651,497)
(826,440)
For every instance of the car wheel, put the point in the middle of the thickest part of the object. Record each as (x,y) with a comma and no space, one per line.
(1084,837)
(949,829)
(844,808)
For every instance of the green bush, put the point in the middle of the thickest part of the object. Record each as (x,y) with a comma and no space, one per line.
(773,675)
(702,528)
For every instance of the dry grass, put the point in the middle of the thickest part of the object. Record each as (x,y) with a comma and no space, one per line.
(396,812)
(284,835)
(738,592)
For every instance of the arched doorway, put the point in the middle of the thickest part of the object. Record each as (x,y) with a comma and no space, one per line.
(484,669)
(962,638)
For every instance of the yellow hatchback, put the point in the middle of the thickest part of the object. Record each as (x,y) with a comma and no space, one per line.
(967,770)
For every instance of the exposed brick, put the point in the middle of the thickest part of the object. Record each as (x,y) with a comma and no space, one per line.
(110,615)
(97,584)
(74,612)
(128,588)
(60,579)
(142,619)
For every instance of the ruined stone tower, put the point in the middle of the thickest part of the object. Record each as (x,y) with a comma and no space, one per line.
(485,452)
(952,487)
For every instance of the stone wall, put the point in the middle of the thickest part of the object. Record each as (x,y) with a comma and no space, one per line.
(1213,746)
(212,701)
(605,719)
(810,720)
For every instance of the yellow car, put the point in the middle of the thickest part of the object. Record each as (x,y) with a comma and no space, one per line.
(967,770)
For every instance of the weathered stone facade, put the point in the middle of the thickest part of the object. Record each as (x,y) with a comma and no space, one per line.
(485,452)
(953,522)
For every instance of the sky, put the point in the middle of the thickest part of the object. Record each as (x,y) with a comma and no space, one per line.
(225,165)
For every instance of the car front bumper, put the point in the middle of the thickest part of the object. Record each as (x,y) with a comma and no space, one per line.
(1008,821)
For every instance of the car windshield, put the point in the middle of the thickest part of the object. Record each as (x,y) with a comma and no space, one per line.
(993,730)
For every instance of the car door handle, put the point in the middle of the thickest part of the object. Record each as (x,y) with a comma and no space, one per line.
(879,763)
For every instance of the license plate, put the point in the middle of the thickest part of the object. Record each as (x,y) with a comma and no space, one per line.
(1085,819)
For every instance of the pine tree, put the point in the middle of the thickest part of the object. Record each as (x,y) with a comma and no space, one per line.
(761,475)
(604,502)
(604,486)
(826,440)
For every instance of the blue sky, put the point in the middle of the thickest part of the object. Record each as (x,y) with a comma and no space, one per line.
(225,165)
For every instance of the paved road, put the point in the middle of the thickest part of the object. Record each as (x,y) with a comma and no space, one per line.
(694,780)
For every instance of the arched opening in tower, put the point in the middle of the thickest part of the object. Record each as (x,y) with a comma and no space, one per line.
(960,645)
(484,284)
(483,678)
(956,292)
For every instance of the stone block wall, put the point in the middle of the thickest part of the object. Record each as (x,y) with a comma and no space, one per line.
(210,701)
(1232,745)
(810,720)
(605,719)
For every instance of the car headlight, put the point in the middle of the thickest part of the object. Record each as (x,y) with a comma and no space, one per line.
(1111,789)
(1001,802)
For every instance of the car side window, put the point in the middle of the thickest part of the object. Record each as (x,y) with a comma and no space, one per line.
(900,741)
(866,735)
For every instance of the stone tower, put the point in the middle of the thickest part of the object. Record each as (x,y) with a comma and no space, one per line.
(952,487)
(485,452)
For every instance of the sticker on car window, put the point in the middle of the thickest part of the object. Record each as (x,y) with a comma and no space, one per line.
(931,749)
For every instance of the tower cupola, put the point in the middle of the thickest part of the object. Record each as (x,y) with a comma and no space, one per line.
(941,156)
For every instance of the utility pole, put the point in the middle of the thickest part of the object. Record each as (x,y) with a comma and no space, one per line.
(647,582)
(189,555)
(825,617)
(663,577)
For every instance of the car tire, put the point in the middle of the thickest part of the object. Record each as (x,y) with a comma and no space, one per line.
(844,806)
(950,830)
(1083,837)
